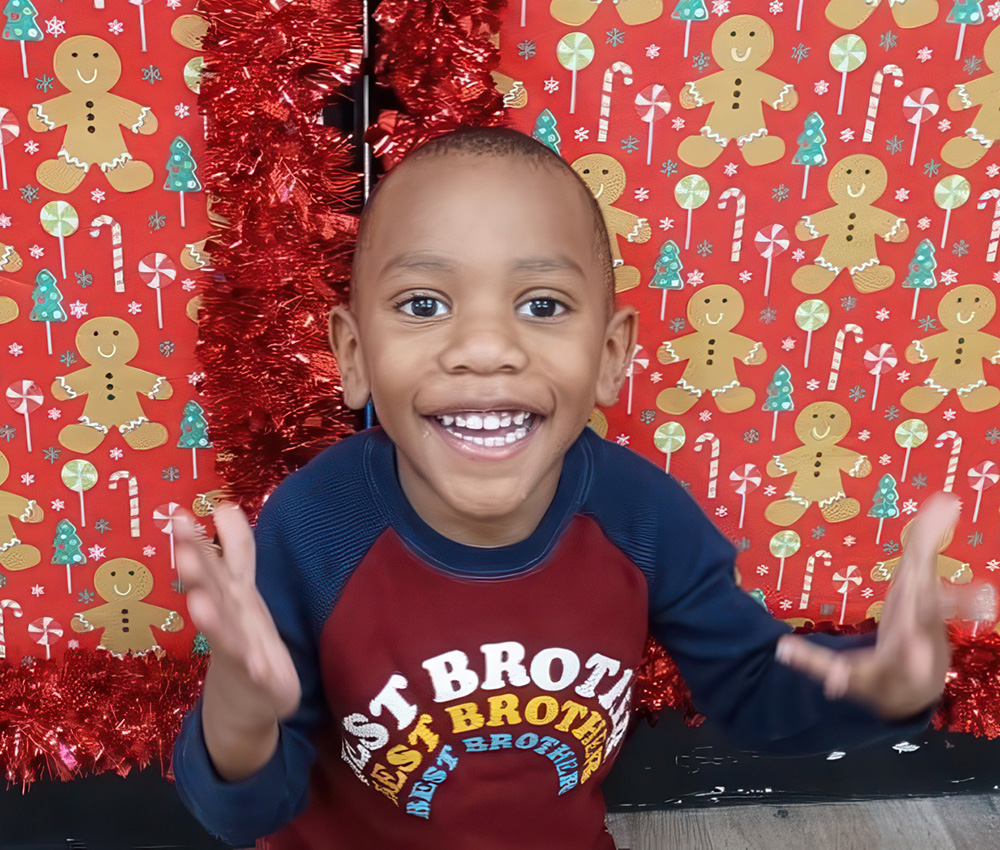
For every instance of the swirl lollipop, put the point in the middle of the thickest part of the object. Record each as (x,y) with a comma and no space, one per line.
(847,54)
(880,359)
(771,241)
(575,51)
(919,106)
(163,519)
(811,315)
(142,23)
(668,438)
(783,545)
(909,434)
(10,129)
(59,219)
(25,397)
(690,193)
(192,73)
(652,104)
(949,194)
(157,271)
(46,632)
(747,479)
(79,475)
(983,476)
(638,364)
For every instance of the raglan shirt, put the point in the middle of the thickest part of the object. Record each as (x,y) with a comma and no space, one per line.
(464,697)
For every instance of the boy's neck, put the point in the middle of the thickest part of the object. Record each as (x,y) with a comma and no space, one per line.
(488,531)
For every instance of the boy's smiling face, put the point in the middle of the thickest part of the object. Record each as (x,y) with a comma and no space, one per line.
(480,324)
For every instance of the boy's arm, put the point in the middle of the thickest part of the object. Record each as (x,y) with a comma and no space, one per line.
(239,812)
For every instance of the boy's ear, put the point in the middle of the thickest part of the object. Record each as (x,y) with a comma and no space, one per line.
(345,341)
(619,341)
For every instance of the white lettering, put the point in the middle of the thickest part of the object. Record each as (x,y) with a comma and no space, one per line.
(503,658)
(451,676)
(602,666)
(390,698)
(541,668)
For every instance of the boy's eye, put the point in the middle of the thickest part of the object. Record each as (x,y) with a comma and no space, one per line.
(542,308)
(423,307)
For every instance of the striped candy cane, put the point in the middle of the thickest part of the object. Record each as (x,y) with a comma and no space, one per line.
(116,246)
(713,466)
(609,75)
(838,351)
(133,496)
(810,569)
(741,208)
(956,450)
(16,611)
(873,101)
(991,253)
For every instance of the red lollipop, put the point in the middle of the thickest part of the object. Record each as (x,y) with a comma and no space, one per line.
(769,242)
(25,397)
(919,106)
(879,359)
(156,271)
(163,519)
(10,129)
(652,104)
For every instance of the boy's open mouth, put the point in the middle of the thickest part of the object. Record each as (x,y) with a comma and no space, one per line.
(490,428)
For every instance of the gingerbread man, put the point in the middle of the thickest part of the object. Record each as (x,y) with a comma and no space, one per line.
(850,228)
(959,351)
(851,14)
(737,93)
(632,12)
(10,261)
(711,352)
(984,92)
(108,343)
(605,178)
(89,67)
(817,466)
(950,569)
(127,621)
(15,555)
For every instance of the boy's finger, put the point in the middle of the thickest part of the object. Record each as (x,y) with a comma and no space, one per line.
(916,574)
(818,662)
(236,536)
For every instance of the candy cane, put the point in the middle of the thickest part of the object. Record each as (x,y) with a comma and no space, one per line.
(713,467)
(626,72)
(116,246)
(991,253)
(133,496)
(808,580)
(16,611)
(873,101)
(956,450)
(848,578)
(838,351)
(741,208)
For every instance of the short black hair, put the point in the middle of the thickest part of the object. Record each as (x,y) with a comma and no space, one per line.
(497,142)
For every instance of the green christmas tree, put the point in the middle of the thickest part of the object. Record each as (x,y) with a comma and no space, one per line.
(194,431)
(545,130)
(884,506)
(687,11)
(810,152)
(667,272)
(181,169)
(47,303)
(965,13)
(67,549)
(200,645)
(921,271)
(21,26)
(779,396)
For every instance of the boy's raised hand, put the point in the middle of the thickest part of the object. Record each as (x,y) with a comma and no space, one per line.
(905,671)
(225,605)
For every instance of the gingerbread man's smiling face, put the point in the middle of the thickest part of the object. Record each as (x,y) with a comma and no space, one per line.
(823,422)
(742,43)
(967,308)
(107,340)
(857,179)
(123,580)
(87,64)
(715,308)
(603,175)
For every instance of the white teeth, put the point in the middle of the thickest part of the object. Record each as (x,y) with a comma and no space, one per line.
(474,421)
(460,421)
(519,417)
(479,441)
(447,420)
(511,437)
(491,422)
(505,421)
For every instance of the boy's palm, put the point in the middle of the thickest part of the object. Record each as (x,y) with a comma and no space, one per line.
(225,605)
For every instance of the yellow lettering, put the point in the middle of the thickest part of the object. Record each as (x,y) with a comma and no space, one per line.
(503,709)
(573,711)
(531,710)
(405,759)
(422,731)
(593,728)
(465,717)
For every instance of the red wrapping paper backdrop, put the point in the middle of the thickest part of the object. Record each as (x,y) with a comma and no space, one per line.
(653,51)
(150,223)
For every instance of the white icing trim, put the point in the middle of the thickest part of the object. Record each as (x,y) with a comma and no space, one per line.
(967,390)
(826,264)
(917,344)
(962,93)
(85,420)
(117,162)
(699,101)
(10,544)
(72,160)
(668,349)
(132,424)
(976,136)
(781,466)
(753,351)
(29,511)
(156,386)
(829,501)
(139,121)
(934,385)
(69,390)
(895,227)
(709,133)
(729,386)
(745,140)
(48,122)
(634,232)
(807,221)
(784,90)
(87,625)
(853,471)
(864,265)
(684,385)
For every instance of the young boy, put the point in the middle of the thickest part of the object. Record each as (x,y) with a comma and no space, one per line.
(438,646)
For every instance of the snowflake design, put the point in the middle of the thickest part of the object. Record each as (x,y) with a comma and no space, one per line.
(992,170)
(960,248)
(581,134)
(8,432)
(171,473)
(818,532)
(116,27)
(770,490)
(888,40)
(720,7)
(847,135)
(78,309)
(927,323)
(762,569)
(696,277)
(678,123)
(891,413)
(134,307)
(668,167)
(38,590)
(700,62)
(27,478)
(151,74)
(973,64)
(785,604)
(884,460)
(949,276)
(97,196)
(181,110)
(115,453)
(55,27)
(647,416)
(102,525)
(993,565)
(29,193)
(721,510)
(622,439)
(5,221)
(902,194)
(821,87)
(993,10)
(867,593)
(16,349)
(894,145)
(642,194)
(848,303)
(850,540)
(924,54)
(678,324)
(924,223)
(932,167)
(96,552)
(800,52)
(655,378)
(751,436)
(704,248)
(36,251)
(551,85)
(616,38)
(746,276)
(57,505)
(944,125)
(857,393)
(890,547)
(903,377)
(52,453)
(149,551)
(975,539)
(787,344)
(780,192)
(768,315)
(883,314)
(630,143)
(730,169)
(705,415)
(54,413)
(173,4)
(157,220)
(652,51)
(919,481)
(948,415)
(527,49)
(993,435)
(812,384)
(909,507)
(864,435)
(44,82)
(84,278)
(85,597)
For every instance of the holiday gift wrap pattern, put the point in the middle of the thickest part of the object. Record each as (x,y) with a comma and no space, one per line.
(803,202)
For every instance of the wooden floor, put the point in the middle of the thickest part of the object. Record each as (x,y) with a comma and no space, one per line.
(962,822)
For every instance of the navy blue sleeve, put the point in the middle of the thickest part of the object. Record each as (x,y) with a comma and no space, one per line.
(721,639)
(240,812)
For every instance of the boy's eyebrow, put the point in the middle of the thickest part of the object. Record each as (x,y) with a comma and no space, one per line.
(412,261)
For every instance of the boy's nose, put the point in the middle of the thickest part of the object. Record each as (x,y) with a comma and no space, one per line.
(484,346)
